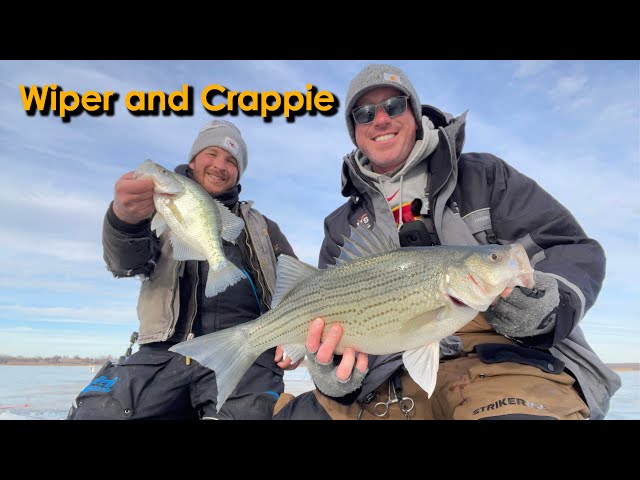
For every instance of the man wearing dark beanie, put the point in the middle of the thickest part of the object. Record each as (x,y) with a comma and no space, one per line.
(526,356)
(154,383)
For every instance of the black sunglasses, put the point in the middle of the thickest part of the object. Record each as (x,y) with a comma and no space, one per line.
(393,107)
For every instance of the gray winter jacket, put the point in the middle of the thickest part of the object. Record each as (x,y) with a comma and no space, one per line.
(477,198)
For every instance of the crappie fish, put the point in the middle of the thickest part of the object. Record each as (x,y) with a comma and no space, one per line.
(388,300)
(197,224)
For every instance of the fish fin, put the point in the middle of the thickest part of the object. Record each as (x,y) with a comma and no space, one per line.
(290,272)
(222,277)
(158,224)
(227,352)
(295,351)
(423,364)
(175,211)
(182,250)
(363,242)
(232,225)
(423,321)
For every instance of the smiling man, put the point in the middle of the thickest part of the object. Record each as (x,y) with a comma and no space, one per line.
(215,167)
(155,383)
(525,357)
(388,139)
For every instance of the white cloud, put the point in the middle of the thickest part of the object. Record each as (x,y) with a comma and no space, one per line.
(41,245)
(568,86)
(112,315)
(17,330)
(101,287)
(622,113)
(277,71)
(42,196)
(529,68)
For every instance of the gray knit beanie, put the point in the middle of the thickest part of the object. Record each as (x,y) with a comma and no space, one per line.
(381,75)
(223,134)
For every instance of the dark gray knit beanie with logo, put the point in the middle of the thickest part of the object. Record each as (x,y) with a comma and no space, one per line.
(381,75)
(223,134)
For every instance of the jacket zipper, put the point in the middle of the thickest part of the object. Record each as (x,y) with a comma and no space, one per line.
(189,337)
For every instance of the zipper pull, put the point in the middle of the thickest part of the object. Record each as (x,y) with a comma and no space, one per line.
(189,337)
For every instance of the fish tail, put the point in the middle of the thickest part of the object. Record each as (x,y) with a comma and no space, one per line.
(227,352)
(221,277)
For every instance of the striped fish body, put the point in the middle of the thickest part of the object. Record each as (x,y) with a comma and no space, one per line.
(386,303)
(387,299)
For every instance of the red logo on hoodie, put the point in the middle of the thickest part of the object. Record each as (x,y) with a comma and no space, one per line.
(391,197)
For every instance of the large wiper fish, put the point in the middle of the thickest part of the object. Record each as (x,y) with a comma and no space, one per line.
(388,299)
(197,223)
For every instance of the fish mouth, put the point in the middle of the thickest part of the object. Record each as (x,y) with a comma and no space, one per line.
(457,302)
(526,279)
(520,263)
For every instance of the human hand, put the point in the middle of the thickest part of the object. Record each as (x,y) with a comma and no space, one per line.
(285,363)
(333,381)
(526,312)
(133,199)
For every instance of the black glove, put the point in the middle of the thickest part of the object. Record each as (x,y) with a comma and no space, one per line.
(527,312)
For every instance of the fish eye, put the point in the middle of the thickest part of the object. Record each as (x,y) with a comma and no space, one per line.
(493,257)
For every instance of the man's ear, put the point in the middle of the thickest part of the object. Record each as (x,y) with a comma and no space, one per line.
(191,163)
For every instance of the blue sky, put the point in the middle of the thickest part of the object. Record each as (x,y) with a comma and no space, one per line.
(573,126)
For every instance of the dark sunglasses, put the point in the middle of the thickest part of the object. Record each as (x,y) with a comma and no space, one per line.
(393,107)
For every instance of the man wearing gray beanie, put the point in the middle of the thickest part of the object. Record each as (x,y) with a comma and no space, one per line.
(155,383)
(376,76)
(525,357)
(225,135)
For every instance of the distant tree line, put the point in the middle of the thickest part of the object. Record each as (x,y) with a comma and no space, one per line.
(55,360)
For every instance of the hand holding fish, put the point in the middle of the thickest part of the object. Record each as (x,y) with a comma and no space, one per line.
(527,312)
(331,380)
(133,199)
(324,352)
(284,361)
